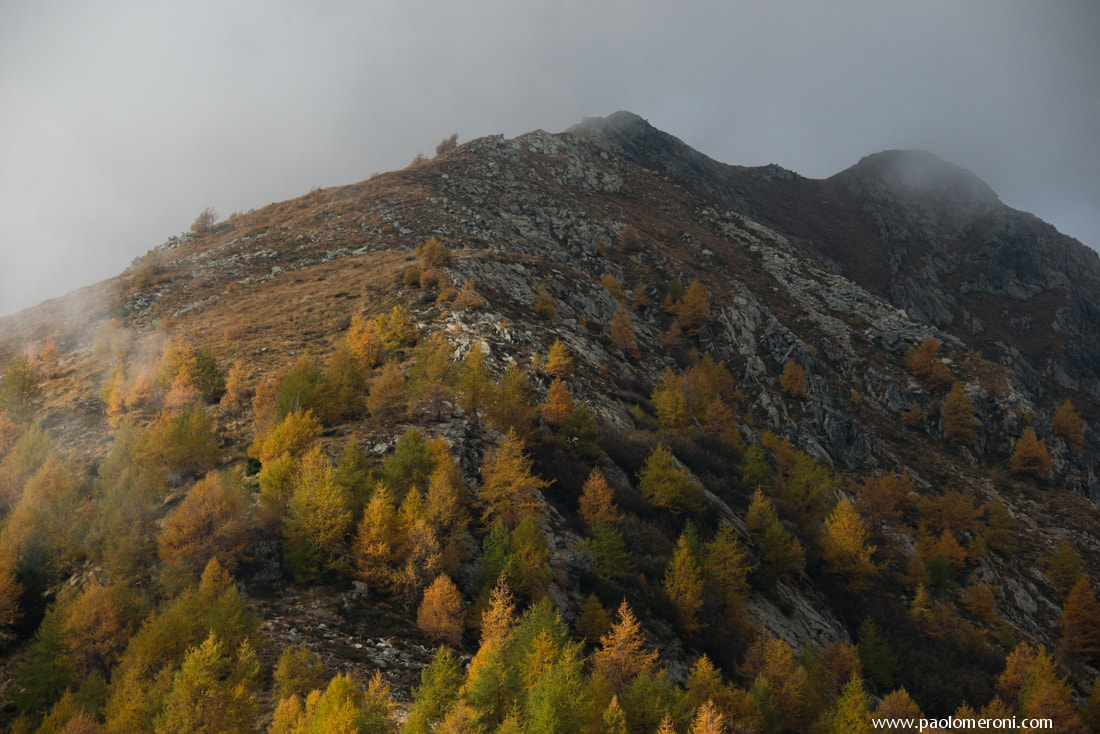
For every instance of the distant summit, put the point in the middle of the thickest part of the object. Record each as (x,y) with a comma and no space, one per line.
(918,177)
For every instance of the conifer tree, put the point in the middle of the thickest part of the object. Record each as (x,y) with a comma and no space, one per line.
(666,486)
(433,254)
(559,361)
(1081,622)
(396,329)
(597,501)
(960,425)
(621,331)
(880,499)
(1067,423)
(782,551)
(544,304)
(212,692)
(844,545)
(474,386)
(509,490)
(318,517)
(793,380)
(754,467)
(292,435)
(364,342)
(1063,567)
(437,694)
(614,720)
(10,591)
(922,611)
(211,522)
(684,586)
(20,390)
(761,514)
(726,569)
(593,621)
(622,656)
(1030,457)
(695,308)
(558,405)
(672,409)
(708,720)
(387,398)
(48,669)
(236,387)
(489,688)
(913,416)
(875,655)
(512,404)
(299,671)
(432,375)
(923,362)
(719,422)
(853,711)
(377,544)
(898,705)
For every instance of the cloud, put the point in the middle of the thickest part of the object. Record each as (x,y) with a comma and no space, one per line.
(119,123)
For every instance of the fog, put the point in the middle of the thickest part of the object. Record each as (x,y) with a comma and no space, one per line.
(119,122)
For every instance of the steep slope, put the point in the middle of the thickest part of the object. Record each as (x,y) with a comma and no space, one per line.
(763,328)
(928,236)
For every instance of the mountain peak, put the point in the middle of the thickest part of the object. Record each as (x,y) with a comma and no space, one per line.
(917,175)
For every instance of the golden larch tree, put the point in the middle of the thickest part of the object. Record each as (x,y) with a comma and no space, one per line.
(924,364)
(708,720)
(793,380)
(387,398)
(378,540)
(621,331)
(211,522)
(622,656)
(433,254)
(897,705)
(1030,457)
(1081,622)
(611,284)
(440,614)
(684,586)
(597,501)
(1069,425)
(695,308)
(844,546)
(559,361)
(509,490)
(960,425)
(558,405)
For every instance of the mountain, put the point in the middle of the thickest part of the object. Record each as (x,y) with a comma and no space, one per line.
(823,412)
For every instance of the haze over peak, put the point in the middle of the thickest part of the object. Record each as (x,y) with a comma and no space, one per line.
(912,175)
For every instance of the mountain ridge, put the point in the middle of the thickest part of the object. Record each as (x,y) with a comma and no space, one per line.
(727,315)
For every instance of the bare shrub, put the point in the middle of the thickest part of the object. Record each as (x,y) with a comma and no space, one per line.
(205,221)
(447,144)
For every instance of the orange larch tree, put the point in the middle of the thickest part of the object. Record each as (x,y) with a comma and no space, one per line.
(1068,424)
(793,380)
(960,425)
(1031,456)
(597,501)
(622,656)
(509,490)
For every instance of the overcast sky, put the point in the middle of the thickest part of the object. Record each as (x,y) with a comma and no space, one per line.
(120,121)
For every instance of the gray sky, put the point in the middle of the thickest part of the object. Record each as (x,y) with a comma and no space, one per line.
(120,121)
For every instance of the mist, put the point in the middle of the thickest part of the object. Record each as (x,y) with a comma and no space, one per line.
(118,125)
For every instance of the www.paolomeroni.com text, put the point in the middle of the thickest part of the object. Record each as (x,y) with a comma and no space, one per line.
(953,722)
